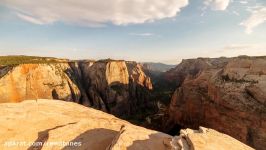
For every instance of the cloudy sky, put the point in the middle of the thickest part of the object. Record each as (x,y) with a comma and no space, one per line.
(142,30)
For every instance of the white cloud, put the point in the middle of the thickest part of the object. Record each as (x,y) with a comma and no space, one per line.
(142,34)
(257,17)
(29,19)
(217,4)
(243,2)
(241,47)
(94,12)
(236,13)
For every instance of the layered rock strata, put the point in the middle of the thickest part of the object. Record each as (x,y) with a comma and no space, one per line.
(117,87)
(227,95)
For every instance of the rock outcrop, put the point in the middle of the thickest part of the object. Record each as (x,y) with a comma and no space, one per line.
(191,67)
(46,124)
(31,81)
(205,139)
(116,87)
(227,95)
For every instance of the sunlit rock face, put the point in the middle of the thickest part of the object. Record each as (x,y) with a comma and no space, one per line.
(106,84)
(137,75)
(113,86)
(224,94)
(116,86)
(31,81)
(66,125)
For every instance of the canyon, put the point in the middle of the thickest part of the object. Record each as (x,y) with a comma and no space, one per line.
(224,94)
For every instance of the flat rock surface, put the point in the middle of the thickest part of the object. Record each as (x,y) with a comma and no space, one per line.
(48,121)
(54,124)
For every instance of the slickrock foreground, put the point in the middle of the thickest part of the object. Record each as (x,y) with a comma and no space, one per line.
(67,125)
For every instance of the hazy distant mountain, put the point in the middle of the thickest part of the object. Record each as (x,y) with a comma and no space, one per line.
(157,67)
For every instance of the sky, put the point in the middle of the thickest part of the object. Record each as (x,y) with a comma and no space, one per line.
(141,30)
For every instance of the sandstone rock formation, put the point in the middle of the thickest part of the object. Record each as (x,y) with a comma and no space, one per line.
(31,81)
(116,87)
(224,94)
(46,124)
(191,67)
(206,139)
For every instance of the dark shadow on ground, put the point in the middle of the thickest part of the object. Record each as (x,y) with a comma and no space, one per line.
(175,130)
(155,141)
(94,139)
(43,136)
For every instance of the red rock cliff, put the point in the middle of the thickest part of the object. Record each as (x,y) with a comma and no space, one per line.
(224,94)
(113,86)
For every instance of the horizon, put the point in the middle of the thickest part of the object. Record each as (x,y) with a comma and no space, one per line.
(141,62)
(142,31)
